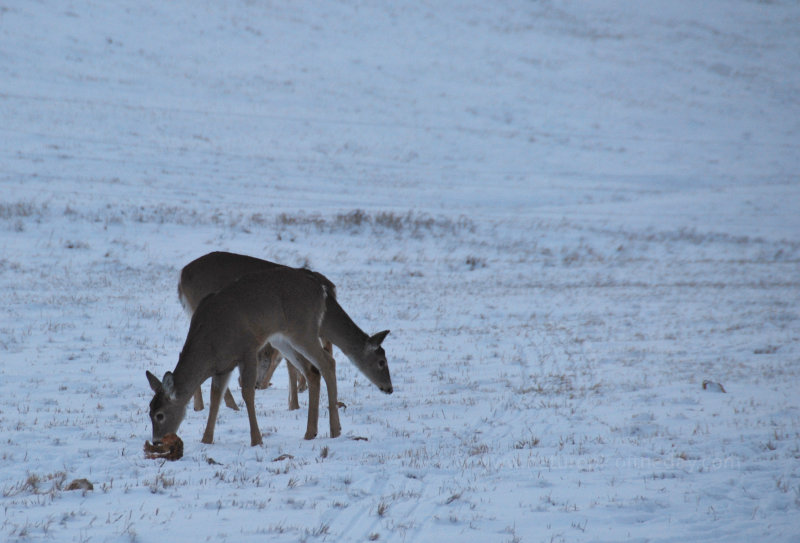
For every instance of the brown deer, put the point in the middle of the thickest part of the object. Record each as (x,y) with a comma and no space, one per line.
(291,310)
(214,271)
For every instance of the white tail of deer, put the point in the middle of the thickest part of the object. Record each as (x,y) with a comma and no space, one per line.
(211,273)
(287,308)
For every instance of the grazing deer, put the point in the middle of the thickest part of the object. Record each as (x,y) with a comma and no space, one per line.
(214,271)
(287,308)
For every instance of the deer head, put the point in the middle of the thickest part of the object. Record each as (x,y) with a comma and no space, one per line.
(166,412)
(372,362)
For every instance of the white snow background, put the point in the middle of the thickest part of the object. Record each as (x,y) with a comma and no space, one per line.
(569,214)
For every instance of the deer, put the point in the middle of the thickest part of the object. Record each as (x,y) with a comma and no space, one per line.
(210,273)
(288,308)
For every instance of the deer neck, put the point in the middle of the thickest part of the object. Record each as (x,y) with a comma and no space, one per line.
(186,378)
(338,328)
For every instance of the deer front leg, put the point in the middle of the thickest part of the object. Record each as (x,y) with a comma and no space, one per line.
(249,397)
(328,346)
(327,367)
(294,376)
(312,378)
(302,365)
(329,374)
(298,383)
(302,384)
(247,371)
(218,385)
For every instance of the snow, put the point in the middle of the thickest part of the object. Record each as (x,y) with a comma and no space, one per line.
(570,215)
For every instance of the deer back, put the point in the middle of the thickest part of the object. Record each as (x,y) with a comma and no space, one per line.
(212,272)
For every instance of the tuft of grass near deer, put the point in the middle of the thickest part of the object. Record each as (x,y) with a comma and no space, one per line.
(413,223)
(22,209)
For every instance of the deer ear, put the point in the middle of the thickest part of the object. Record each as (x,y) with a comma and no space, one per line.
(168,384)
(378,338)
(155,384)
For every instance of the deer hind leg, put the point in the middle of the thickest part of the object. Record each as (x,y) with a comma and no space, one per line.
(198,399)
(300,380)
(218,385)
(248,372)
(229,401)
(268,360)
(302,384)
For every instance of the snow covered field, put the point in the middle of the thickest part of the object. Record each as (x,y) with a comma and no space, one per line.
(569,214)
